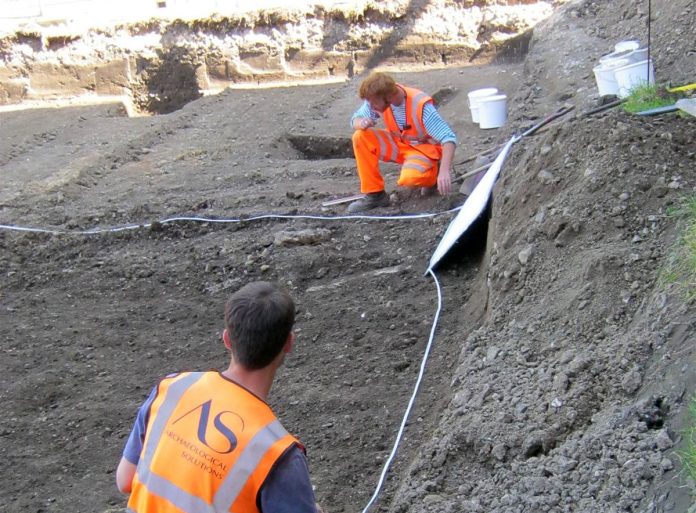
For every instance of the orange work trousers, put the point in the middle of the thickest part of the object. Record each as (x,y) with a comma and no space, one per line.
(372,145)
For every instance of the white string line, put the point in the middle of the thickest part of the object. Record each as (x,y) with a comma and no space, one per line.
(413,395)
(96,231)
(421,372)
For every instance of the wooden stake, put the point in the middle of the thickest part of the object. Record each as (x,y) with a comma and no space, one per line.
(345,199)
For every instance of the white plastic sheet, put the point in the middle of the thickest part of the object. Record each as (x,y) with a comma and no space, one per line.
(472,208)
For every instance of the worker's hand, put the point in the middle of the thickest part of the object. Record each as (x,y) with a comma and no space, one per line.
(363,123)
(444,181)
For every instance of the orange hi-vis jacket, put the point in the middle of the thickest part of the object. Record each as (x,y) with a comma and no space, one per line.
(414,132)
(411,147)
(209,446)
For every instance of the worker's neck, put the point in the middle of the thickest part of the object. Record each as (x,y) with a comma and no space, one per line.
(258,382)
(399,97)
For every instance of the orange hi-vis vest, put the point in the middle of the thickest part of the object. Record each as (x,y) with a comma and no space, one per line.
(414,132)
(209,446)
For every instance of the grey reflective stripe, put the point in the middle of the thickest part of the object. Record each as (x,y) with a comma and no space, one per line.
(174,394)
(425,160)
(415,118)
(154,483)
(246,464)
(384,141)
(178,497)
(382,145)
(414,164)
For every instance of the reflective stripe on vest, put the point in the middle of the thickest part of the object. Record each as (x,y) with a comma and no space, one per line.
(387,148)
(258,444)
(416,111)
(415,131)
(247,462)
(419,163)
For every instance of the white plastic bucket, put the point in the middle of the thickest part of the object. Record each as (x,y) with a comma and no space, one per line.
(626,45)
(615,55)
(605,77)
(632,75)
(634,55)
(475,96)
(492,111)
(638,55)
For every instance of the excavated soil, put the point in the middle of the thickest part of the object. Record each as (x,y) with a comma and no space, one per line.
(561,365)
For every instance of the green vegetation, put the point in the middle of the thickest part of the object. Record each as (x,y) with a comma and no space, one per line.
(645,97)
(688,454)
(681,264)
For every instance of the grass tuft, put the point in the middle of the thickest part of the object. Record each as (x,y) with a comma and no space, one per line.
(688,454)
(646,97)
(680,268)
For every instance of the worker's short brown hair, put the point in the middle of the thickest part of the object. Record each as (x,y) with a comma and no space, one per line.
(377,85)
(259,318)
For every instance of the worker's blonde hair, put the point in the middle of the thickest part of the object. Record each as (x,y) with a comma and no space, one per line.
(377,85)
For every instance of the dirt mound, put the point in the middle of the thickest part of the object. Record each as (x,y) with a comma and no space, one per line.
(561,364)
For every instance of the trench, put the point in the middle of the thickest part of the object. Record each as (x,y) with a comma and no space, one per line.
(205,56)
(319,147)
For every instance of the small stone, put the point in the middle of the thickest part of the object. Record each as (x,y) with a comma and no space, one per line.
(631,382)
(561,382)
(432,498)
(565,465)
(301,237)
(546,177)
(663,441)
(524,255)
(492,353)
(499,451)
(541,215)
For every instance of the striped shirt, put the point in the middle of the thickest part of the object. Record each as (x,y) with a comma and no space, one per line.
(436,127)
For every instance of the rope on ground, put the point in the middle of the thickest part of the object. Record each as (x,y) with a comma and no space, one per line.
(421,372)
(116,229)
(400,433)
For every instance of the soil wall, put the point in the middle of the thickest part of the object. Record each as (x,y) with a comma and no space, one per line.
(161,64)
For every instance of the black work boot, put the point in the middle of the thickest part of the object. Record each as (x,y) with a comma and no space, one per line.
(370,201)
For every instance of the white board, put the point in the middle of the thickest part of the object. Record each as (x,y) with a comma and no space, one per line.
(472,208)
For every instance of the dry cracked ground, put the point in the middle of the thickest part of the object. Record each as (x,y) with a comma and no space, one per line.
(561,365)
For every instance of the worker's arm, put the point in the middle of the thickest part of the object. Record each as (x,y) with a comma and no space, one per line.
(364,117)
(362,123)
(124,475)
(134,445)
(288,488)
(444,176)
(439,130)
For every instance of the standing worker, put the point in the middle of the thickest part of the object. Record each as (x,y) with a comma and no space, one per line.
(416,137)
(207,441)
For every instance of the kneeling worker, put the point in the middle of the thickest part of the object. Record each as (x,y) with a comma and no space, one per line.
(207,441)
(416,137)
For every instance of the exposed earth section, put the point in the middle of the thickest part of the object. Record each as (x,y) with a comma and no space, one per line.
(563,359)
(160,65)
